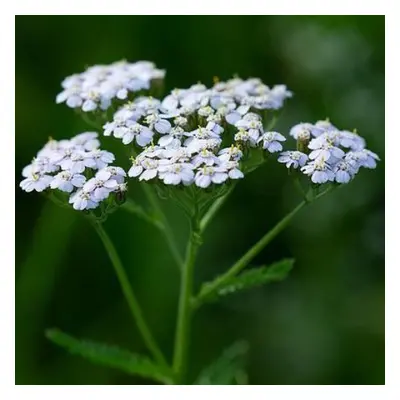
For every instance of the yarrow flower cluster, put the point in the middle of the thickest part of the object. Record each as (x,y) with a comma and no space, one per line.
(196,135)
(96,87)
(333,155)
(77,167)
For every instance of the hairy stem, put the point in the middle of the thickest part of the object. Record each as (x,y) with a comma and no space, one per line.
(184,308)
(129,295)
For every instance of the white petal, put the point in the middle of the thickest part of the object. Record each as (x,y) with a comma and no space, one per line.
(203,181)
(135,170)
(148,174)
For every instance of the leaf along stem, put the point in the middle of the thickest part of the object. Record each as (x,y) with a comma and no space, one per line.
(129,294)
(251,253)
(255,249)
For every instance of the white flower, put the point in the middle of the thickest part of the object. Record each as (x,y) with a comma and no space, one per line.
(293,159)
(173,139)
(174,174)
(207,175)
(252,124)
(101,157)
(245,136)
(71,95)
(364,158)
(117,173)
(319,170)
(370,159)
(101,185)
(344,172)
(352,140)
(232,167)
(147,168)
(136,168)
(67,182)
(323,126)
(36,181)
(206,157)
(324,149)
(195,145)
(100,84)
(82,200)
(279,93)
(235,115)
(74,156)
(232,153)
(304,131)
(202,138)
(120,119)
(214,127)
(271,141)
(158,123)
(134,130)
(86,141)
(94,99)
(42,164)
(77,162)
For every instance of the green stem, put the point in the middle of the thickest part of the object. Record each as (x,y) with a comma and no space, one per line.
(184,308)
(300,189)
(129,295)
(250,254)
(136,209)
(213,210)
(164,226)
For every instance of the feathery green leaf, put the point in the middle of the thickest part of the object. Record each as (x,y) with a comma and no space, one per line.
(246,280)
(111,356)
(227,369)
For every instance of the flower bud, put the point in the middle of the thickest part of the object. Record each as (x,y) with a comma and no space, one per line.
(303,139)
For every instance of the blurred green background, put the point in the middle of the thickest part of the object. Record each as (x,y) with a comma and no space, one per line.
(325,323)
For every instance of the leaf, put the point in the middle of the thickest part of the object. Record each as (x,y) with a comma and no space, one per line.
(111,356)
(227,369)
(246,280)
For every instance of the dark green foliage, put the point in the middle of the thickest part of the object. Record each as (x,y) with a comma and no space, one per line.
(228,369)
(111,356)
(249,279)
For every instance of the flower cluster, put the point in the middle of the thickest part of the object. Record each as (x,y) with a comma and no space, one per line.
(100,84)
(78,167)
(196,135)
(329,154)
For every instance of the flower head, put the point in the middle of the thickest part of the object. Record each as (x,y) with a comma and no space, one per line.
(96,87)
(66,166)
(328,160)
(293,159)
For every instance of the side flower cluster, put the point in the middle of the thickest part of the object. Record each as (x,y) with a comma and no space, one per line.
(329,154)
(96,87)
(195,135)
(78,167)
